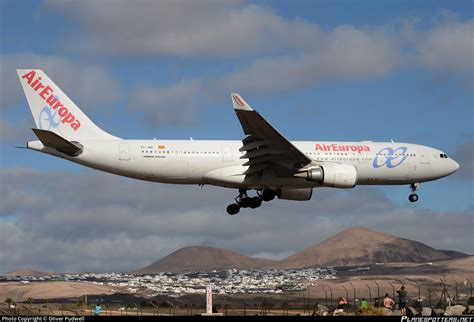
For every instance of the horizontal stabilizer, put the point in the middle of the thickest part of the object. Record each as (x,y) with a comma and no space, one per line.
(52,140)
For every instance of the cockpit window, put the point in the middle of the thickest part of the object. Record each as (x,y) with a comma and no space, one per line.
(443,156)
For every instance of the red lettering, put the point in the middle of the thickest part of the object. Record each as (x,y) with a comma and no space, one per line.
(68,119)
(45,92)
(39,86)
(29,76)
(35,82)
(51,100)
(57,104)
(63,111)
(336,147)
(76,125)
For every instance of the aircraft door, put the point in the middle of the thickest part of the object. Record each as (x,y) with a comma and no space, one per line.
(425,159)
(124,154)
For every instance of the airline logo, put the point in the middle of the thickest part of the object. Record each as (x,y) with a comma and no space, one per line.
(48,120)
(390,157)
(238,101)
(343,148)
(53,104)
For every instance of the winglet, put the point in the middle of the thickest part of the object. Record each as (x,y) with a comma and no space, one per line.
(239,103)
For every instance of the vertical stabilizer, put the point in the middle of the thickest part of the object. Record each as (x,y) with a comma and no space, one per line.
(54,111)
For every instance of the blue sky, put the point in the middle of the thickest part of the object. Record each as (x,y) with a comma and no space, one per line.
(317,70)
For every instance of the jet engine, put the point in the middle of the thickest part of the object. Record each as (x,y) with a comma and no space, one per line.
(332,175)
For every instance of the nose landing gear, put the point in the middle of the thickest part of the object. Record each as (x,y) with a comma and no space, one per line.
(413,197)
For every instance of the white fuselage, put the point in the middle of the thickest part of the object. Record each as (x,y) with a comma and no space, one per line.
(219,163)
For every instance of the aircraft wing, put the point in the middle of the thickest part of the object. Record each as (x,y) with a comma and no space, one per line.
(264,147)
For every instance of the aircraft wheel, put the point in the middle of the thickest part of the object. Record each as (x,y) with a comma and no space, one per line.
(255,202)
(233,209)
(245,202)
(413,197)
(268,195)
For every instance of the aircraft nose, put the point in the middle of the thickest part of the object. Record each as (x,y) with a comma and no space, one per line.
(454,166)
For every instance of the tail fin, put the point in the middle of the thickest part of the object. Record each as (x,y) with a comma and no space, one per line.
(53,111)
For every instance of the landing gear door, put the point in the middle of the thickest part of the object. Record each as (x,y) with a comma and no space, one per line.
(425,159)
(124,154)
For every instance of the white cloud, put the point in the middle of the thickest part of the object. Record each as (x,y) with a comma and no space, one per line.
(102,222)
(175,105)
(447,51)
(344,53)
(181,28)
(274,53)
(449,46)
(90,86)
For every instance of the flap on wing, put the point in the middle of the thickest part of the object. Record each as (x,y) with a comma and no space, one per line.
(264,145)
(53,140)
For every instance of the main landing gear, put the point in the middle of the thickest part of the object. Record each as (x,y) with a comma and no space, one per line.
(244,201)
(413,197)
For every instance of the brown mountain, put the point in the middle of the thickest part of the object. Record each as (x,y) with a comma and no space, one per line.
(201,258)
(359,246)
(453,253)
(28,272)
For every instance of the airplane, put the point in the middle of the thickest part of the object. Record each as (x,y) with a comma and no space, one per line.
(264,160)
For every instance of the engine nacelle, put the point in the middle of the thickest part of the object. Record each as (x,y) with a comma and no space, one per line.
(300,194)
(334,175)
